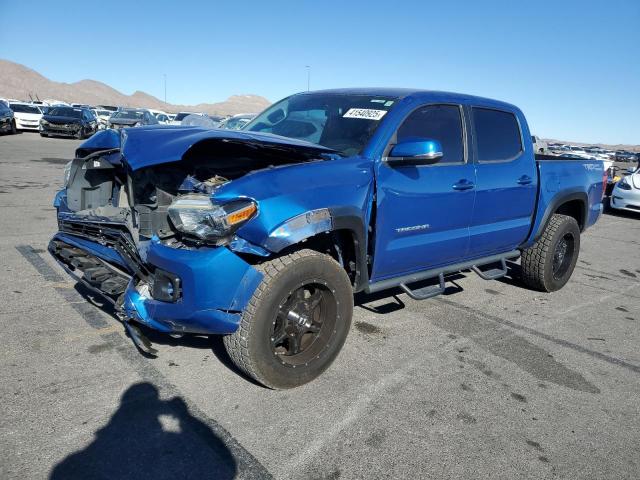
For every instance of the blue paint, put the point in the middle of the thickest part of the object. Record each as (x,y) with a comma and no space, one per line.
(416,148)
(418,216)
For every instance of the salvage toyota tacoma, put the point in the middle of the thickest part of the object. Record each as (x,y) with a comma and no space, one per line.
(263,235)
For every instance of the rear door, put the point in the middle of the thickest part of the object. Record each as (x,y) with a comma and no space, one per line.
(506,181)
(424,212)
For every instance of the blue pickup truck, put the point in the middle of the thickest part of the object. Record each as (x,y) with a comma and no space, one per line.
(263,235)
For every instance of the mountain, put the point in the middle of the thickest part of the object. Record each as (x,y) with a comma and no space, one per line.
(18,81)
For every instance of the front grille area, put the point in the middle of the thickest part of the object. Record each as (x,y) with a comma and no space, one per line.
(94,272)
(113,235)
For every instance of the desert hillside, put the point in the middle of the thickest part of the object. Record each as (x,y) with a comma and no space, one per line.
(18,81)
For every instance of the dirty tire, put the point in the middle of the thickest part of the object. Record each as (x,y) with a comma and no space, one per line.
(251,346)
(14,130)
(541,268)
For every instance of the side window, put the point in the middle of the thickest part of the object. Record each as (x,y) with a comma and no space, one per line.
(436,122)
(497,135)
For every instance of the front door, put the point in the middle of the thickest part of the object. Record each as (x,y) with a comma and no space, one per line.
(424,212)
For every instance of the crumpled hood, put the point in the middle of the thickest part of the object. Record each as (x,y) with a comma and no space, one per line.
(153,145)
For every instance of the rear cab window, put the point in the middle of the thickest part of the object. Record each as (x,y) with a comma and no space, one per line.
(497,135)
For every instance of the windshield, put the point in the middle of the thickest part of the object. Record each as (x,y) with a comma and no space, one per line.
(16,107)
(130,115)
(65,112)
(342,122)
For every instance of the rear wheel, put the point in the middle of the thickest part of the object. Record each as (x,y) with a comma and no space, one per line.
(548,264)
(296,322)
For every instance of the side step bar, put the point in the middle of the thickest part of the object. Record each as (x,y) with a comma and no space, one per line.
(433,290)
(492,273)
(424,293)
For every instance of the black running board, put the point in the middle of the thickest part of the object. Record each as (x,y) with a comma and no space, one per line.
(424,293)
(492,273)
(433,290)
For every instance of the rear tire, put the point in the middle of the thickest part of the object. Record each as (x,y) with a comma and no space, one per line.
(296,322)
(548,264)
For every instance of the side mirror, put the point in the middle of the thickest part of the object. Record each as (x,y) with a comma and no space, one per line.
(416,152)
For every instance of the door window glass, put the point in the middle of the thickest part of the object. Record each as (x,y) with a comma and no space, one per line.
(497,135)
(436,122)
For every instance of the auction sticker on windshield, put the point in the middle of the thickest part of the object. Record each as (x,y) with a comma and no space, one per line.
(368,113)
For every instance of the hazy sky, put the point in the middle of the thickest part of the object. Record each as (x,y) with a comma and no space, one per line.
(572,66)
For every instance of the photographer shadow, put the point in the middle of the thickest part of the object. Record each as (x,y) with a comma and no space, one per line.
(150,438)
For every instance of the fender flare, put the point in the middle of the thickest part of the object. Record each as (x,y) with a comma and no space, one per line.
(558,201)
(325,220)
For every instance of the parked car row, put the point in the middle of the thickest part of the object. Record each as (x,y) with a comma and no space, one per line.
(81,120)
(588,152)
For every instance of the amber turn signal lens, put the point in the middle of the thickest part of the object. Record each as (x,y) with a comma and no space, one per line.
(241,215)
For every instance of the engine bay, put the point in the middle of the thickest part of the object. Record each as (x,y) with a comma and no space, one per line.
(102,187)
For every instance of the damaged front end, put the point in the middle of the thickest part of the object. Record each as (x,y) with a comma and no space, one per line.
(140,223)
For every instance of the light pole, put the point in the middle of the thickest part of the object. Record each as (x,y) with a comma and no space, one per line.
(165,88)
(308,67)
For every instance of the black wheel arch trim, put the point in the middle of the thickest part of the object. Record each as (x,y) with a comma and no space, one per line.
(556,203)
(343,218)
(348,218)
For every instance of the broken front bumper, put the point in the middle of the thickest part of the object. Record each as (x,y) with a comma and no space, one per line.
(215,284)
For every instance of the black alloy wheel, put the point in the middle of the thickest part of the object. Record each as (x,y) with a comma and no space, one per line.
(296,322)
(304,323)
(563,255)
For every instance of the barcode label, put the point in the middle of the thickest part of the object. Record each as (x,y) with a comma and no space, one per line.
(368,113)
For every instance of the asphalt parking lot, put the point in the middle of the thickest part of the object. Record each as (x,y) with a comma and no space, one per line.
(488,381)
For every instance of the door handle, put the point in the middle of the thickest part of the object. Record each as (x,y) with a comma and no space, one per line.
(524,180)
(463,185)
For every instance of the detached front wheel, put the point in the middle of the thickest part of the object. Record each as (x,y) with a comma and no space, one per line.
(296,322)
(548,264)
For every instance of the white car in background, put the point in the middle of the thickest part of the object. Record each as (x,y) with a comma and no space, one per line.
(27,116)
(236,122)
(162,117)
(102,116)
(626,193)
(177,120)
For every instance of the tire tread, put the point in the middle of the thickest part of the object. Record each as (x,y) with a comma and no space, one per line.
(236,344)
(534,258)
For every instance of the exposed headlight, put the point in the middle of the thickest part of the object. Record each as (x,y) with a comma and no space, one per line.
(67,174)
(623,184)
(197,215)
